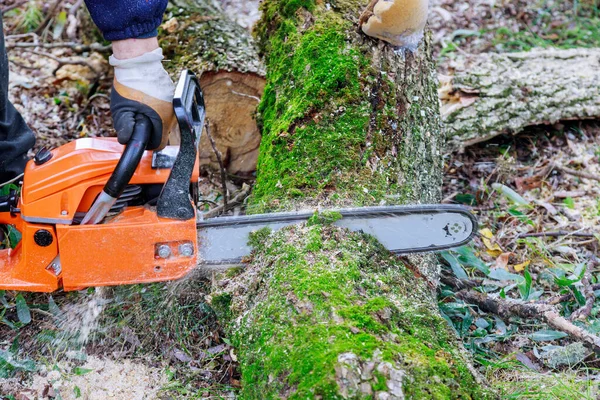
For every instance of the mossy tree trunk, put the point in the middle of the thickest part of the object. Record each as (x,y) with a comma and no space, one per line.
(202,38)
(321,312)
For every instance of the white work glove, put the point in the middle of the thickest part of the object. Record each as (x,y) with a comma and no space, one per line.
(142,86)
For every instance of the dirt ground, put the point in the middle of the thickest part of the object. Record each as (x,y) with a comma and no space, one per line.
(138,351)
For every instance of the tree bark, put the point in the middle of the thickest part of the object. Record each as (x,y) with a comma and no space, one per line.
(202,38)
(321,312)
(492,94)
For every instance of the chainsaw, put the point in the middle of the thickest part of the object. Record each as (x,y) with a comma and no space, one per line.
(96,213)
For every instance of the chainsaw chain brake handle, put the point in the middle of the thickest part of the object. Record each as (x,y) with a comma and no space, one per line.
(174,201)
(188,104)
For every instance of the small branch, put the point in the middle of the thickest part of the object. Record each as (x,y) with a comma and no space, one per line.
(574,172)
(75,7)
(65,61)
(32,35)
(220,161)
(76,47)
(87,104)
(13,6)
(49,16)
(460,284)
(590,298)
(239,198)
(556,234)
(506,308)
(566,297)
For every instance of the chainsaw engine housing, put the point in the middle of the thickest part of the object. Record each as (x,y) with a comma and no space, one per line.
(136,242)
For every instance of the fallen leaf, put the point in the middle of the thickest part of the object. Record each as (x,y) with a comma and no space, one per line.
(525,184)
(526,361)
(522,266)
(181,356)
(493,249)
(217,349)
(549,207)
(502,260)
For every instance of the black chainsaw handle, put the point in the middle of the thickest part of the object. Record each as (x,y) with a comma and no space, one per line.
(132,155)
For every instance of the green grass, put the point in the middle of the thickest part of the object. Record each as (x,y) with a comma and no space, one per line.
(516,382)
(578,27)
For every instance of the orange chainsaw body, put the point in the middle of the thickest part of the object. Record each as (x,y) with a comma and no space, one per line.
(122,250)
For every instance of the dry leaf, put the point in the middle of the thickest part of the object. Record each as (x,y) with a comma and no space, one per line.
(502,260)
(528,183)
(522,266)
(493,249)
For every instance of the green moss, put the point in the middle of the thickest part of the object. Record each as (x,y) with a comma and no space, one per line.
(324,218)
(221,305)
(329,293)
(258,237)
(379,382)
(305,149)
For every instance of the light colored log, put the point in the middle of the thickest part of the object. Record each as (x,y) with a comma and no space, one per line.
(491,94)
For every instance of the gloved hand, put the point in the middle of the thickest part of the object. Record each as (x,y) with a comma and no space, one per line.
(142,86)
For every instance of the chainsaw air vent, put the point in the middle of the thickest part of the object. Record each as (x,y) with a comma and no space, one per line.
(130,195)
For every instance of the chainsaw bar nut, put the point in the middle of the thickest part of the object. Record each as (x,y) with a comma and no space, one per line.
(164,251)
(186,250)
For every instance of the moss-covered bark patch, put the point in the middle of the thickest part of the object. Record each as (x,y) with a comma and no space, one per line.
(325,312)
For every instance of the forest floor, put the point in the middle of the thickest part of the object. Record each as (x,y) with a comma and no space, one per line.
(163,340)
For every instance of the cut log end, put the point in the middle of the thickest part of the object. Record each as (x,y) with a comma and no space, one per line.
(231,101)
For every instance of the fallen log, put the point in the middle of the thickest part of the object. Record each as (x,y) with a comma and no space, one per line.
(492,94)
(320,312)
(201,37)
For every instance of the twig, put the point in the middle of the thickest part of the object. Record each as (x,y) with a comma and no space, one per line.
(590,298)
(22,35)
(65,61)
(220,161)
(574,172)
(567,296)
(13,6)
(460,284)
(76,47)
(75,7)
(506,308)
(87,104)
(73,20)
(49,16)
(13,180)
(556,234)
(18,64)
(237,199)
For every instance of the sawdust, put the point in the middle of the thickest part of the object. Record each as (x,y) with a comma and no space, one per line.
(96,379)
(79,320)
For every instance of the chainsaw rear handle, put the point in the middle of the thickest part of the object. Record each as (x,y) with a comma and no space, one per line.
(132,155)
(128,163)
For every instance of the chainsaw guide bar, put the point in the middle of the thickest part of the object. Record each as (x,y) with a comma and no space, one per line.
(401,229)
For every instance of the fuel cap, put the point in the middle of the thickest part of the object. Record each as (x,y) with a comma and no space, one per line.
(43,155)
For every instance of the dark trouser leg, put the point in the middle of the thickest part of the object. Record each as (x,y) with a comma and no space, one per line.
(15,137)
